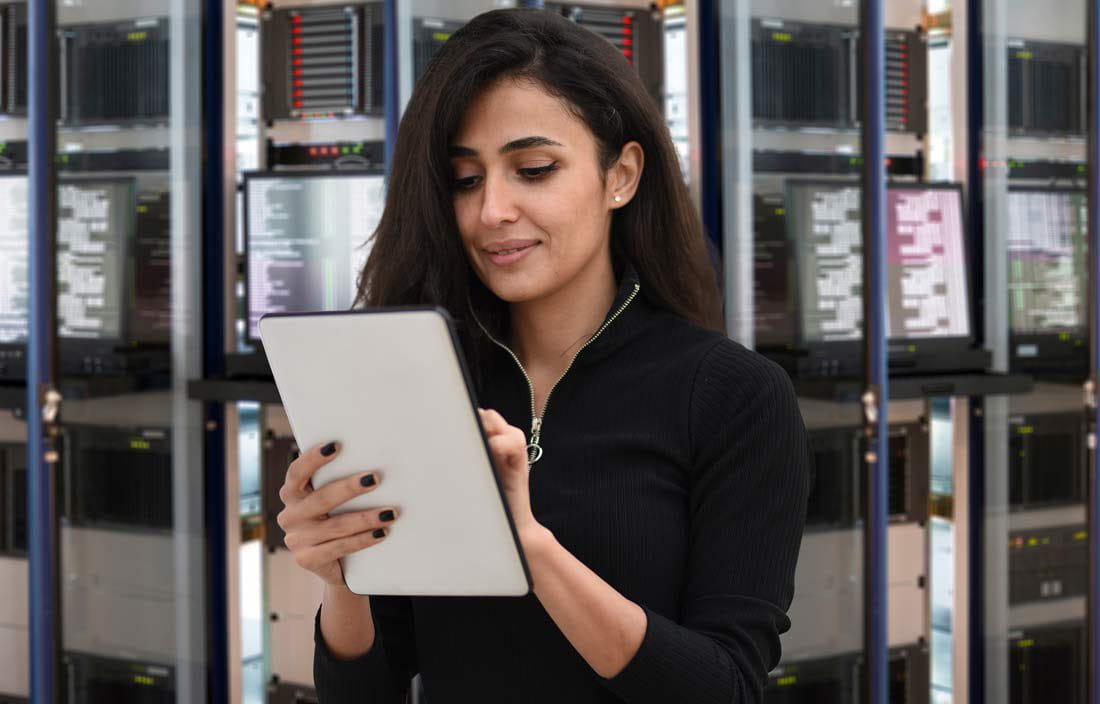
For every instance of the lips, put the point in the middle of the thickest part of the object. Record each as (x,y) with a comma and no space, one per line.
(508,253)
(509,246)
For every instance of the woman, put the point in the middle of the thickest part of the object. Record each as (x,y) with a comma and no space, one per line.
(657,472)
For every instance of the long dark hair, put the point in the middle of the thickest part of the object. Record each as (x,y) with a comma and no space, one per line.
(417,255)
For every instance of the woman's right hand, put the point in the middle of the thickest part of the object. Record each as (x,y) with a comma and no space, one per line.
(317,540)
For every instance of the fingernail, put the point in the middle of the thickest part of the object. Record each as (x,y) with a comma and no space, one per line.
(328,449)
(380,533)
(367,480)
(386,516)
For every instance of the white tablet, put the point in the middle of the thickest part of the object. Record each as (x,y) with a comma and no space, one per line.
(391,386)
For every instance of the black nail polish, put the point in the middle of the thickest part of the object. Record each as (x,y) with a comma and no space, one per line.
(328,449)
(367,480)
(380,533)
(386,516)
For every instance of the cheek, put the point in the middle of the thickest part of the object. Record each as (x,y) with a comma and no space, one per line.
(466,217)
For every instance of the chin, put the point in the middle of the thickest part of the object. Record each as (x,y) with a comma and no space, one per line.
(515,287)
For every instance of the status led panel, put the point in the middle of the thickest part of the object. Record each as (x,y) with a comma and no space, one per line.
(13,59)
(1047,267)
(632,31)
(323,61)
(115,72)
(306,240)
(926,264)
(906,83)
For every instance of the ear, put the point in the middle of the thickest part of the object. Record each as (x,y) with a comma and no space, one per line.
(624,175)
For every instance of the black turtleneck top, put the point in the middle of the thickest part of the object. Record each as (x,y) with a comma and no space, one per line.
(676,466)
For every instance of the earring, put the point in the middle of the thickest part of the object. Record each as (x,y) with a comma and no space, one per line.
(618,199)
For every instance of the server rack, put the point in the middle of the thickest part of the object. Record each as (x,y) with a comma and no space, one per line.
(322,61)
(1046,89)
(115,73)
(13,59)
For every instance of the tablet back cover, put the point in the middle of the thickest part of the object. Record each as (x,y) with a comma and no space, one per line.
(388,386)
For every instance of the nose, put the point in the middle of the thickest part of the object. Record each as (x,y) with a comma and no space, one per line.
(498,204)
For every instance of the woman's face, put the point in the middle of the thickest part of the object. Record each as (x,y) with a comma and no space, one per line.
(532,206)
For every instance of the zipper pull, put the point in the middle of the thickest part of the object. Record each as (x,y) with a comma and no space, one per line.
(534,450)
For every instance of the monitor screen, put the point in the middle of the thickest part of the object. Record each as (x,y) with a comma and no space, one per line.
(94,219)
(1047,266)
(926,263)
(151,309)
(306,240)
(14,301)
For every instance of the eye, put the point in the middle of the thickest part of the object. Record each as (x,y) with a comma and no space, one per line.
(464,184)
(536,172)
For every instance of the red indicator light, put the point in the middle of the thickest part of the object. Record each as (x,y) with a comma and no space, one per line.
(627,41)
(297,51)
(628,31)
(295,30)
(297,103)
(296,18)
(298,72)
(313,151)
(297,40)
(299,83)
(298,62)
(627,19)
(297,94)
(628,52)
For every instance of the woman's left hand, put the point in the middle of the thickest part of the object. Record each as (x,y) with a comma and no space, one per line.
(508,446)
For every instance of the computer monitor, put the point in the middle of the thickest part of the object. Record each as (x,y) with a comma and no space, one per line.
(306,240)
(95,226)
(1047,276)
(928,299)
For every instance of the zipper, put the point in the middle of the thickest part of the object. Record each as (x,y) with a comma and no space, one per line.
(534,449)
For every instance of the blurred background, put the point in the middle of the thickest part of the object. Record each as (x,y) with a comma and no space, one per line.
(218,161)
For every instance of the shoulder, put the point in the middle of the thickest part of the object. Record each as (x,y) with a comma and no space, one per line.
(720,366)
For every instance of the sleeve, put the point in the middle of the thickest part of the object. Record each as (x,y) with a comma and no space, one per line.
(751,466)
(382,674)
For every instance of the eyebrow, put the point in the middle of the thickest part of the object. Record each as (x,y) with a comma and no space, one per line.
(514,146)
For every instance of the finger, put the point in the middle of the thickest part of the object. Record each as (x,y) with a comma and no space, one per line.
(505,447)
(321,555)
(301,470)
(493,422)
(341,526)
(330,496)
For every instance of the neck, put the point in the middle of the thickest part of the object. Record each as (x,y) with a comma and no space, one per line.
(548,331)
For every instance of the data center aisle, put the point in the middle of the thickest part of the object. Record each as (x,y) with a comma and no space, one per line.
(987,333)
